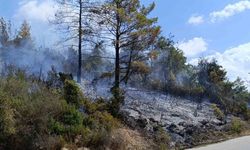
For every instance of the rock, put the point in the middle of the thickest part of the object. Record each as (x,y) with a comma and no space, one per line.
(142,122)
(204,122)
(190,129)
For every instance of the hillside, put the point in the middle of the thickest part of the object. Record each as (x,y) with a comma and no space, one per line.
(113,75)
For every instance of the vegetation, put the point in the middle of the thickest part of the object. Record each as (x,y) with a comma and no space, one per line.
(43,109)
(237,125)
(217,112)
(162,139)
(36,116)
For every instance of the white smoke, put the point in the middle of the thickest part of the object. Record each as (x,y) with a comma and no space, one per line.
(33,61)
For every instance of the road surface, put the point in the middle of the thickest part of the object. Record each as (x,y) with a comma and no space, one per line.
(242,143)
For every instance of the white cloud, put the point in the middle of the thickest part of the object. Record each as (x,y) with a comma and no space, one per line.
(35,10)
(193,47)
(230,10)
(235,60)
(196,20)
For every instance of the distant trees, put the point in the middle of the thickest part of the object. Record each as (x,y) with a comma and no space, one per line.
(232,97)
(23,37)
(5,29)
(211,76)
(94,61)
(168,62)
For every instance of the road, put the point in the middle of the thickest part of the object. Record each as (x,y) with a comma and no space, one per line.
(242,143)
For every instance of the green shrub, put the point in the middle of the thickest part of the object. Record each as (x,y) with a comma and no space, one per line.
(72,93)
(35,116)
(7,121)
(93,106)
(68,124)
(27,106)
(162,139)
(116,101)
(217,112)
(237,125)
(248,115)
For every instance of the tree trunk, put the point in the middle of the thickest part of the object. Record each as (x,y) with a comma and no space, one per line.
(79,72)
(117,52)
(128,71)
(117,63)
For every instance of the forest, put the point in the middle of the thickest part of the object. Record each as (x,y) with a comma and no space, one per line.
(117,45)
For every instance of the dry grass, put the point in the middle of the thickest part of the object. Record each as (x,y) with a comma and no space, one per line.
(127,139)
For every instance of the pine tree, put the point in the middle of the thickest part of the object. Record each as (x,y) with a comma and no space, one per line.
(23,38)
(127,25)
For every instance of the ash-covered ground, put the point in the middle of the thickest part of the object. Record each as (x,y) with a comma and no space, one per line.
(145,109)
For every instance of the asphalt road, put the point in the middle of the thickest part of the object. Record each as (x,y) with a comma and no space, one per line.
(242,143)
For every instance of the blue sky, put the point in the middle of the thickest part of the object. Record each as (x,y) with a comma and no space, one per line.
(229,32)
(202,28)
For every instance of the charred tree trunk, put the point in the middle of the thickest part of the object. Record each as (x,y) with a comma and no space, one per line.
(117,52)
(79,72)
(128,71)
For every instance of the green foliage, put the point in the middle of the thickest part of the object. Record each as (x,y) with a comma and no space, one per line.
(91,107)
(35,116)
(94,60)
(170,60)
(7,121)
(116,101)
(23,37)
(210,73)
(72,92)
(26,106)
(69,123)
(162,139)
(217,112)
(237,125)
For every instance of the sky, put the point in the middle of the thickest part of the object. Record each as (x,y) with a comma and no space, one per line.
(201,28)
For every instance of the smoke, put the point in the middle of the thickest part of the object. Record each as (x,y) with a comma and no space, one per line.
(33,61)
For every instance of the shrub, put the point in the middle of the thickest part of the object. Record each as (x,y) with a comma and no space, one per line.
(116,101)
(35,116)
(7,121)
(93,106)
(162,139)
(217,112)
(72,92)
(237,125)
(27,107)
(68,124)
(248,115)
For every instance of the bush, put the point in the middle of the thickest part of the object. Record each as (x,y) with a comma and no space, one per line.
(116,101)
(27,106)
(7,121)
(217,112)
(68,124)
(162,139)
(94,106)
(72,93)
(35,116)
(237,125)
